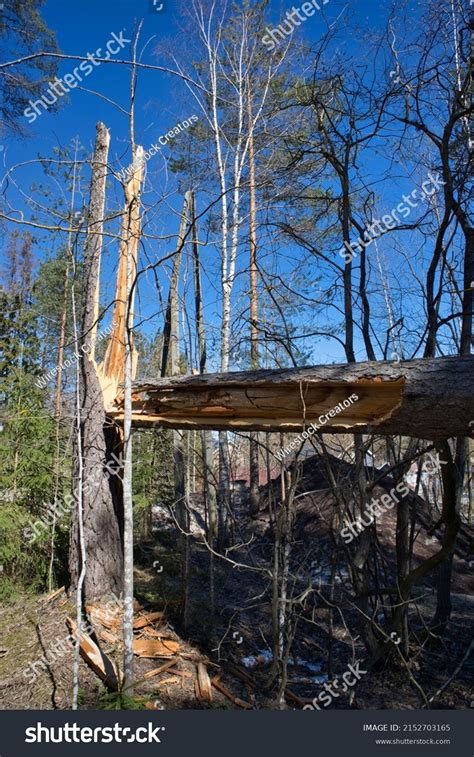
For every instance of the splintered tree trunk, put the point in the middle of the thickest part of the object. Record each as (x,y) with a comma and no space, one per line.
(102,502)
(119,366)
(424,399)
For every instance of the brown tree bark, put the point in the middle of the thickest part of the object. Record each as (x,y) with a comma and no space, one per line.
(102,506)
(426,399)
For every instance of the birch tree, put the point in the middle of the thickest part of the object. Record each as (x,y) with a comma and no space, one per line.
(230,46)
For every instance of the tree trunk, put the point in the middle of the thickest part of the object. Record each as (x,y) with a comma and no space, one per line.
(468,295)
(254,494)
(170,362)
(102,502)
(210,493)
(445,570)
(129,250)
(403,565)
(170,367)
(426,399)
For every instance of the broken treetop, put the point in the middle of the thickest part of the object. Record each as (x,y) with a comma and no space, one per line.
(426,398)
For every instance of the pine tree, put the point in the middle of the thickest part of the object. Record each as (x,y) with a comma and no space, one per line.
(26,447)
(23,32)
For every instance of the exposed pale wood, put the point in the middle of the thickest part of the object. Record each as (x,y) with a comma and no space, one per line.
(169,681)
(161,669)
(111,370)
(108,637)
(182,673)
(95,658)
(150,631)
(427,398)
(144,620)
(203,683)
(154,648)
(110,619)
(55,594)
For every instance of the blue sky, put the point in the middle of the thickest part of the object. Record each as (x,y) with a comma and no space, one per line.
(162,101)
(85,26)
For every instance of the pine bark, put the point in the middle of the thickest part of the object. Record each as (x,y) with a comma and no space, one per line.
(426,399)
(102,495)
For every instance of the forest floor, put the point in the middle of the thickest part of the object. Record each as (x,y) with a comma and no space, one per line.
(33,627)
(235,644)
(242,639)
(239,648)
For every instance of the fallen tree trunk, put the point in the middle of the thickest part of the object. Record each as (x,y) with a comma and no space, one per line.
(427,399)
